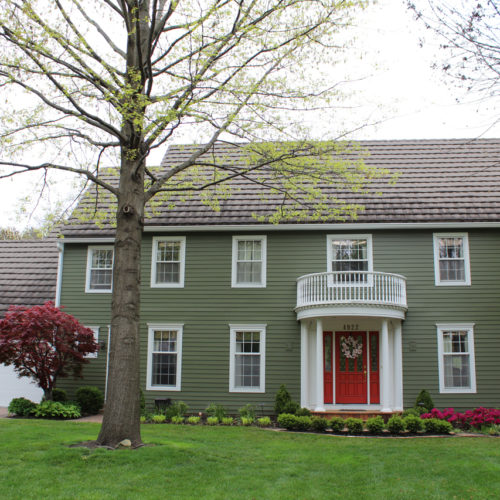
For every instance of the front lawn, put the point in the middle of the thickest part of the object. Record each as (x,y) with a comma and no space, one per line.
(233,462)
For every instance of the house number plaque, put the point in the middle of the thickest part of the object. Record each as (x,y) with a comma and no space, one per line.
(351,327)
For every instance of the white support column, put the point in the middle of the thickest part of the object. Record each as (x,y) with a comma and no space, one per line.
(319,366)
(398,367)
(304,382)
(386,393)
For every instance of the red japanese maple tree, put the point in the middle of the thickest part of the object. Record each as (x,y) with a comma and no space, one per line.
(44,343)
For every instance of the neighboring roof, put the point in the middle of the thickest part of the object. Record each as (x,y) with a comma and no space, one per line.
(439,181)
(28,272)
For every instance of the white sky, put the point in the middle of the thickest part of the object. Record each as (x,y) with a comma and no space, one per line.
(399,89)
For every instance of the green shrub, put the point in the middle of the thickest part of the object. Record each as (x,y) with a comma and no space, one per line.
(354,425)
(21,407)
(212,420)
(291,407)
(247,411)
(413,411)
(59,395)
(217,411)
(247,420)
(424,400)
(375,425)
(413,424)
(303,423)
(90,399)
(264,422)
(303,412)
(54,409)
(282,398)
(336,424)
(176,409)
(319,424)
(286,420)
(143,419)
(395,425)
(431,425)
(142,402)
(176,419)
(193,420)
(227,421)
(444,427)
(159,419)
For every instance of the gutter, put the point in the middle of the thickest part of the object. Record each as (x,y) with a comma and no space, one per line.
(60,248)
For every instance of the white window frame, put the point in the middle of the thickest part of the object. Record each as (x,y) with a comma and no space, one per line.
(234,267)
(93,355)
(437,275)
(330,238)
(90,251)
(152,327)
(233,329)
(158,239)
(447,327)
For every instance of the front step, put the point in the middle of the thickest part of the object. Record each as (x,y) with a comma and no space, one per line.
(362,414)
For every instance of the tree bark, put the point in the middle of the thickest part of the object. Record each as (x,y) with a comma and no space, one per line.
(122,410)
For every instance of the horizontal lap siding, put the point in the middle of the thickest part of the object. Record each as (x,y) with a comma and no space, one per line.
(207,305)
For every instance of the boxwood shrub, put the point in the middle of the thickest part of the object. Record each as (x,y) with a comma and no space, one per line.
(319,424)
(395,425)
(21,407)
(375,425)
(413,424)
(337,424)
(354,425)
(90,399)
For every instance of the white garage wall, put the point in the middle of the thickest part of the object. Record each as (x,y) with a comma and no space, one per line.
(13,387)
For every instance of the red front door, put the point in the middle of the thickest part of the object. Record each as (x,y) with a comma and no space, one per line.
(350,368)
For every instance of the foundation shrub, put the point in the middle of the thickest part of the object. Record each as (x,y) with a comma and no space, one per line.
(416,412)
(336,424)
(282,399)
(375,425)
(193,420)
(291,407)
(424,401)
(90,399)
(54,409)
(21,407)
(286,420)
(59,395)
(217,411)
(264,422)
(158,419)
(247,411)
(413,424)
(212,420)
(303,412)
(176,419)
(247,421)
(395,424)
(319,424)
(444,427)
(354,425)
(227,421)
(303,423)
(176,409)
(476,418)
(431,425)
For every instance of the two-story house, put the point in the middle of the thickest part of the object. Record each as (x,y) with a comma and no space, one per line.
(354,315)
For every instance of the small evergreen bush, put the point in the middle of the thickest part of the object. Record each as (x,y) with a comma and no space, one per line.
(176,409)
(291,407)
(354,425)
(159,419)
(247,411)
(282,399)
(413,424)
(337,424)
(21,407)
(424,400)
(264,422)
(444,427)
(212,420)
(217,411)
(412,411)
(286,420)
(303,423)
(303,412)
(319,424)
(227,421)
(90,399)
(59,395)
(193,420)
(54,409)
(431,425)
(375,425)
(395,425)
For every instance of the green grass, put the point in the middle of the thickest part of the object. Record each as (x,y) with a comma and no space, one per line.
(230,462)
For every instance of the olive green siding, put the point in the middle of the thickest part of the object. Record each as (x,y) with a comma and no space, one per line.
(207,305)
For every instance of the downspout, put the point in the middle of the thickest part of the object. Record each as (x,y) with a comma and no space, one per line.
(60,248)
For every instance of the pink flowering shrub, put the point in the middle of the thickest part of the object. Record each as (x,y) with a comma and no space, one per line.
(477,418)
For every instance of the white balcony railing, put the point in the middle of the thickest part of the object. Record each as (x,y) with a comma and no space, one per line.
(351,287)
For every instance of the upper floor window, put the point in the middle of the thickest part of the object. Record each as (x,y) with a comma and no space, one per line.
(164,357)
(249,261)
(99,269)
(350,257)
(168,261)
(451,259)
(247,358)
(456,358)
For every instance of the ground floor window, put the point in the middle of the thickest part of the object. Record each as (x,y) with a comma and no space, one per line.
(456,358)
(164,357)
(247,358)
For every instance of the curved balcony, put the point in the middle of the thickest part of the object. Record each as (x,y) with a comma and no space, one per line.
(351,293)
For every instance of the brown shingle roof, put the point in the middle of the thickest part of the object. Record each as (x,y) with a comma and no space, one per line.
(439,181)
(28,272)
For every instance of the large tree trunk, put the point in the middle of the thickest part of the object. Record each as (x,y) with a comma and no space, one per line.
(122,410)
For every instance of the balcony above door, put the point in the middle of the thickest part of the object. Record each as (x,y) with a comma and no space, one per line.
(351,293)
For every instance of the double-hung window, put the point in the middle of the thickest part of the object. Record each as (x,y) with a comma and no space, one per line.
(249,261)
(456,358)
(168,261)
(99,269)
(349,259)
(451,259)
(247,358)
(164,357)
